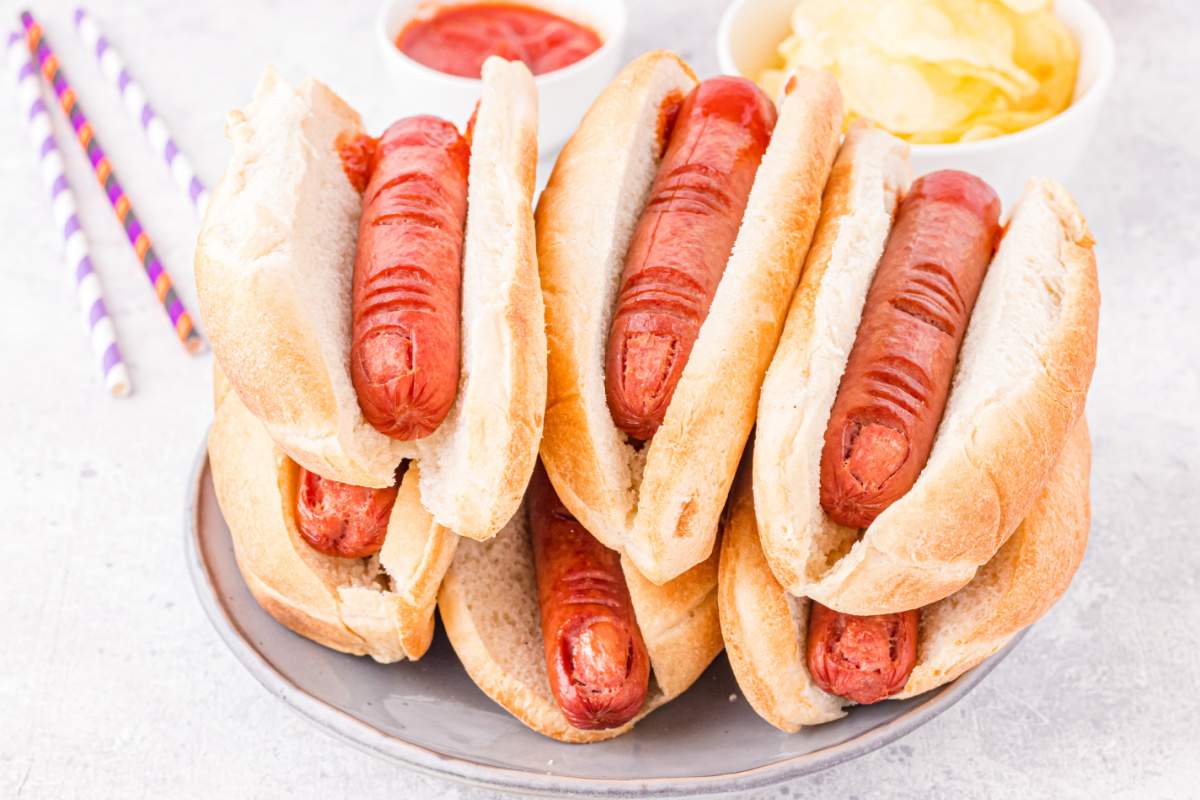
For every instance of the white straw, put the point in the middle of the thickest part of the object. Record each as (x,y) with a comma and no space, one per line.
(112,66)
(87,285)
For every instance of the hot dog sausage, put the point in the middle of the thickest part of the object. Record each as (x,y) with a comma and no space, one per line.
(681,244)
(595,656)
(897,378)
(404,356)
(342,520)
(863,659)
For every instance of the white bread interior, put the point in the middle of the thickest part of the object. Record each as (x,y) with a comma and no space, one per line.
(661,505)
(870,176)
(381,606)
(764,626)
(1018,389)
(489,607)
(274,261)
(274,264)
(475,467)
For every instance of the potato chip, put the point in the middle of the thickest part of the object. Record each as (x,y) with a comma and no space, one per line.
(905,97)
(1017,90)
(973,38)
(989,125)
(1048,51)
(935,71)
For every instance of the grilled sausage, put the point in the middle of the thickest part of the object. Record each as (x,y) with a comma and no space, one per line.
(342,520)
(595,657)
(404,356)
(863,659)
(898,375)
(681,244)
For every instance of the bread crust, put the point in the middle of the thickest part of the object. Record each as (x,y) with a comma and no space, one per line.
(274,264)
(339,603)
(661,506)
(764,626)
(489,607)
(1018,390)
(764,637)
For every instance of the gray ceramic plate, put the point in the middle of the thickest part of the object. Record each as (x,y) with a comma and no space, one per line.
(429,716)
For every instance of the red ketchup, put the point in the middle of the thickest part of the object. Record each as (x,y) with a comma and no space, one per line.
(357,151)
(458,39)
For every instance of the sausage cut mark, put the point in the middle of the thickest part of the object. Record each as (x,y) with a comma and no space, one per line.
(898,374)
(682,241)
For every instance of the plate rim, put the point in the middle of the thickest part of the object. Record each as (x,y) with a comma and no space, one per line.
(368,738)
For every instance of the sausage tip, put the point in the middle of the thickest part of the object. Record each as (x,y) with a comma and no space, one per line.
(596,659)
(639,396)
(600,696)
(340,519)
(863,659)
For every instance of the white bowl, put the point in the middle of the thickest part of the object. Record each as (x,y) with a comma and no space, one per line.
(563,95)
(751,30)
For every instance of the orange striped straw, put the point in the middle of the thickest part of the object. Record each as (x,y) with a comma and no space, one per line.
(181,320)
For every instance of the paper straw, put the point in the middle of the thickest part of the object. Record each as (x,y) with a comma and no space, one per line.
(112,66)
(87,285)
(181,320)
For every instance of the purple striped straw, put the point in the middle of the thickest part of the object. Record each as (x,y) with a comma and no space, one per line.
(87,285)
(139,240)
(112,66)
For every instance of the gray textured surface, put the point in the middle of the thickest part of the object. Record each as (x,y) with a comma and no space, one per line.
(112,683)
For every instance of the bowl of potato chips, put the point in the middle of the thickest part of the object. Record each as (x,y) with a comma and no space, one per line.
(1005,89)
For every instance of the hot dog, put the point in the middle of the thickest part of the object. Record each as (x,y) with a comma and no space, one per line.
(793,681)
(968,470)
(671,235)
(868,390)
(404,356)
(354,312)
(863,659)
(897,379)
(889,404)
(565,634)
(342,520)
(681,245)
(596,659)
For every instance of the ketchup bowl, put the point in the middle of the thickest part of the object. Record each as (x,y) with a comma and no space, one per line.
(564,94)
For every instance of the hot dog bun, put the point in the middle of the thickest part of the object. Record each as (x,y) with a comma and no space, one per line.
(489,606)
(334,601)
(765,627)
(274,264)
(661,505)
(1018,390)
